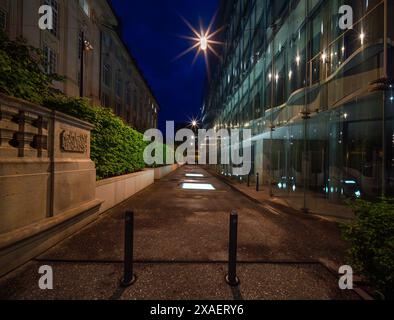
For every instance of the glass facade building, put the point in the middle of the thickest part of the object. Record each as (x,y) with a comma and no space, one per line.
(318,99)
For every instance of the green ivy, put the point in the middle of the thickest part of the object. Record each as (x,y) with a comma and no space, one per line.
(21,71)
(371,239)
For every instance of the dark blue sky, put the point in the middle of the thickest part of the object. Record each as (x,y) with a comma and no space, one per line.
(151,29)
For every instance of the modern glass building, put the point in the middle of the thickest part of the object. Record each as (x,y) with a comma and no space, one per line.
(319,99)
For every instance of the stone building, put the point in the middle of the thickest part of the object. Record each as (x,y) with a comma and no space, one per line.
(102,70)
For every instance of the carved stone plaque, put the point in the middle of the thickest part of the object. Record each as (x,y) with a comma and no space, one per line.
(72,141)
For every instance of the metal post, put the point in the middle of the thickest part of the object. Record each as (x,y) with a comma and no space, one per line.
(386,39)
(81,89)
(384,113)
(248,180)
(272,126)
(231,278)
(257,182)
(129,277)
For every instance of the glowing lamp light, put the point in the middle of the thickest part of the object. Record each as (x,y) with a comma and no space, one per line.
(350,182)
(362,37)
(204,43)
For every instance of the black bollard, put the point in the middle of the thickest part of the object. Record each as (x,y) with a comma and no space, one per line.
(231,278)
(129,277)
(257,182)
(248,180)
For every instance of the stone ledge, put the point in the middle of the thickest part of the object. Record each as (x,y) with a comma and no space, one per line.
(37,109)
(19,235)
(121,178)
(20,246)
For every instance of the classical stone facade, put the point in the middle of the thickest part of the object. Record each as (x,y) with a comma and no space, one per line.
(108,74)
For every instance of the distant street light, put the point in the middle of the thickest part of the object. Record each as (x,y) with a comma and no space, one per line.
(203,43)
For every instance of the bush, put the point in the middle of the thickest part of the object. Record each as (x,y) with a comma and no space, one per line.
(165,148)
(116,148)
(371,238)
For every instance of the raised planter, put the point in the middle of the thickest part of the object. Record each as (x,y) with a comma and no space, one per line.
(161,172)
(114,191)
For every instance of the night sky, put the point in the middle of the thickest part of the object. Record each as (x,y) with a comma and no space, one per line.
(151,29)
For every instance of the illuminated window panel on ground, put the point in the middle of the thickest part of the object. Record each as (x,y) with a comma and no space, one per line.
(197,186)
(194,175)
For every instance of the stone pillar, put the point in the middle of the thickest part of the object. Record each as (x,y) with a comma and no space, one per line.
(47,180)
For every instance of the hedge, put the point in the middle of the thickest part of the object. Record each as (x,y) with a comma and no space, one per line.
(371,239)
(116,148)
(165,149)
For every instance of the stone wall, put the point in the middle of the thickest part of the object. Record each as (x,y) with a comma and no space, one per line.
(161,172)
(116,190)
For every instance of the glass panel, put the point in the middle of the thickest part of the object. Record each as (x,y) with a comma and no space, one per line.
(314,96)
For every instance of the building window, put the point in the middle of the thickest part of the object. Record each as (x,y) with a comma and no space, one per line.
(118,85)
(118,109)
(107,40)
(85,6)
(3,19)
(128,96)
(128,116)
(50,60)
(105,100)
(55,9)
(107,75)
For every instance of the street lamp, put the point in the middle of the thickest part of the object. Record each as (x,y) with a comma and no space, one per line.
(85,46)
(203,43)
